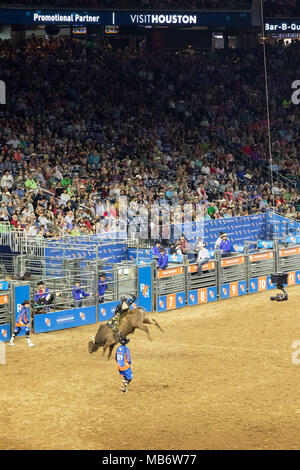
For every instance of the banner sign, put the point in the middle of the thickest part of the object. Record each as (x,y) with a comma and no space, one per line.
(282,25)
(202,296)
(107,310)
(3,285)
(193,268)
(64,319)
(21,293)
(261,256)
(170,272)
(233,289)
(145,287)
(133,18)
(260,284)
(5,333)
(170,302)
(289,252)
(55,252)
(279,226)
(238,229)
(186,18)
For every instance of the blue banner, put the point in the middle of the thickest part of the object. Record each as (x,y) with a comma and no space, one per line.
(279,226)
(21,293)
(3,285)
(55,252)
(107,310)
(5,332)
(239,230)
(64,319)
(145,287)
(180,299)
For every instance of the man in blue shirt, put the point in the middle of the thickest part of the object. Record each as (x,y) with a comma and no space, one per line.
(123,359)
(163,260)
(225,246)
(78,294)
(156,249)
(102,287)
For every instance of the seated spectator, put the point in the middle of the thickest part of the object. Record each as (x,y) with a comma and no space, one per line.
(162,262)
(182,246)
(203,257)
(156,249)
(218,241)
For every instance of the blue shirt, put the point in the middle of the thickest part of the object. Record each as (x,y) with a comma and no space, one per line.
(123,358)
(102,287)
(79,293)
(22,318)
(225,245)
(155,251)
(162,261)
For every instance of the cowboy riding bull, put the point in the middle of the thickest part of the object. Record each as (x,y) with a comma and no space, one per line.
(107,338)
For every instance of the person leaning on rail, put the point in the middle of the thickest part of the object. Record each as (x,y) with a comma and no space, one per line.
(163,259)
(102,286)
(225,246)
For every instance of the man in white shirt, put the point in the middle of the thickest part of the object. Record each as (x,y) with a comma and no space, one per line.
(203,257)
(64,198)
(14,141)
(7,180)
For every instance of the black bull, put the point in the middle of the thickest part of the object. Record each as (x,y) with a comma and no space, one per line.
(105,337)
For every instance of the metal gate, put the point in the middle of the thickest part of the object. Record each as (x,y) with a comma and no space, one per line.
(170,287)
(232,277)
(289,262)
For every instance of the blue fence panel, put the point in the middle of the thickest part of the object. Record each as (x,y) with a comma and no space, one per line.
(64,319)
(5,332)
(107,310)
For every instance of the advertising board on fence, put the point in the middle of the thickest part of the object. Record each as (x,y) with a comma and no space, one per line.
(5,332)
(170,301)
(145,287)
(107,310)
(64,319)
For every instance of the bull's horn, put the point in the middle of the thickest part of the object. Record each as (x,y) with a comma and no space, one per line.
(93,339)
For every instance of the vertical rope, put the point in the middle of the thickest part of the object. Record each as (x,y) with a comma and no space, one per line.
(267,99)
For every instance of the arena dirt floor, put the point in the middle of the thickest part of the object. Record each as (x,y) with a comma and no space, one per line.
(220,377)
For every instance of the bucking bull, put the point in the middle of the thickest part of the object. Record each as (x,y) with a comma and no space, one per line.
(105,337)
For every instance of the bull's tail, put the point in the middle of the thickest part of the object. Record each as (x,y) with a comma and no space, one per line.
(156,324)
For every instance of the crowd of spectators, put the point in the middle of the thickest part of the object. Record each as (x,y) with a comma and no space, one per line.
(141,4)
(281,8)
(85,125)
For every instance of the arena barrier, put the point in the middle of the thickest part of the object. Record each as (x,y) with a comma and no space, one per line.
(202,288)
(289,262)
(161,290)
(224,278)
